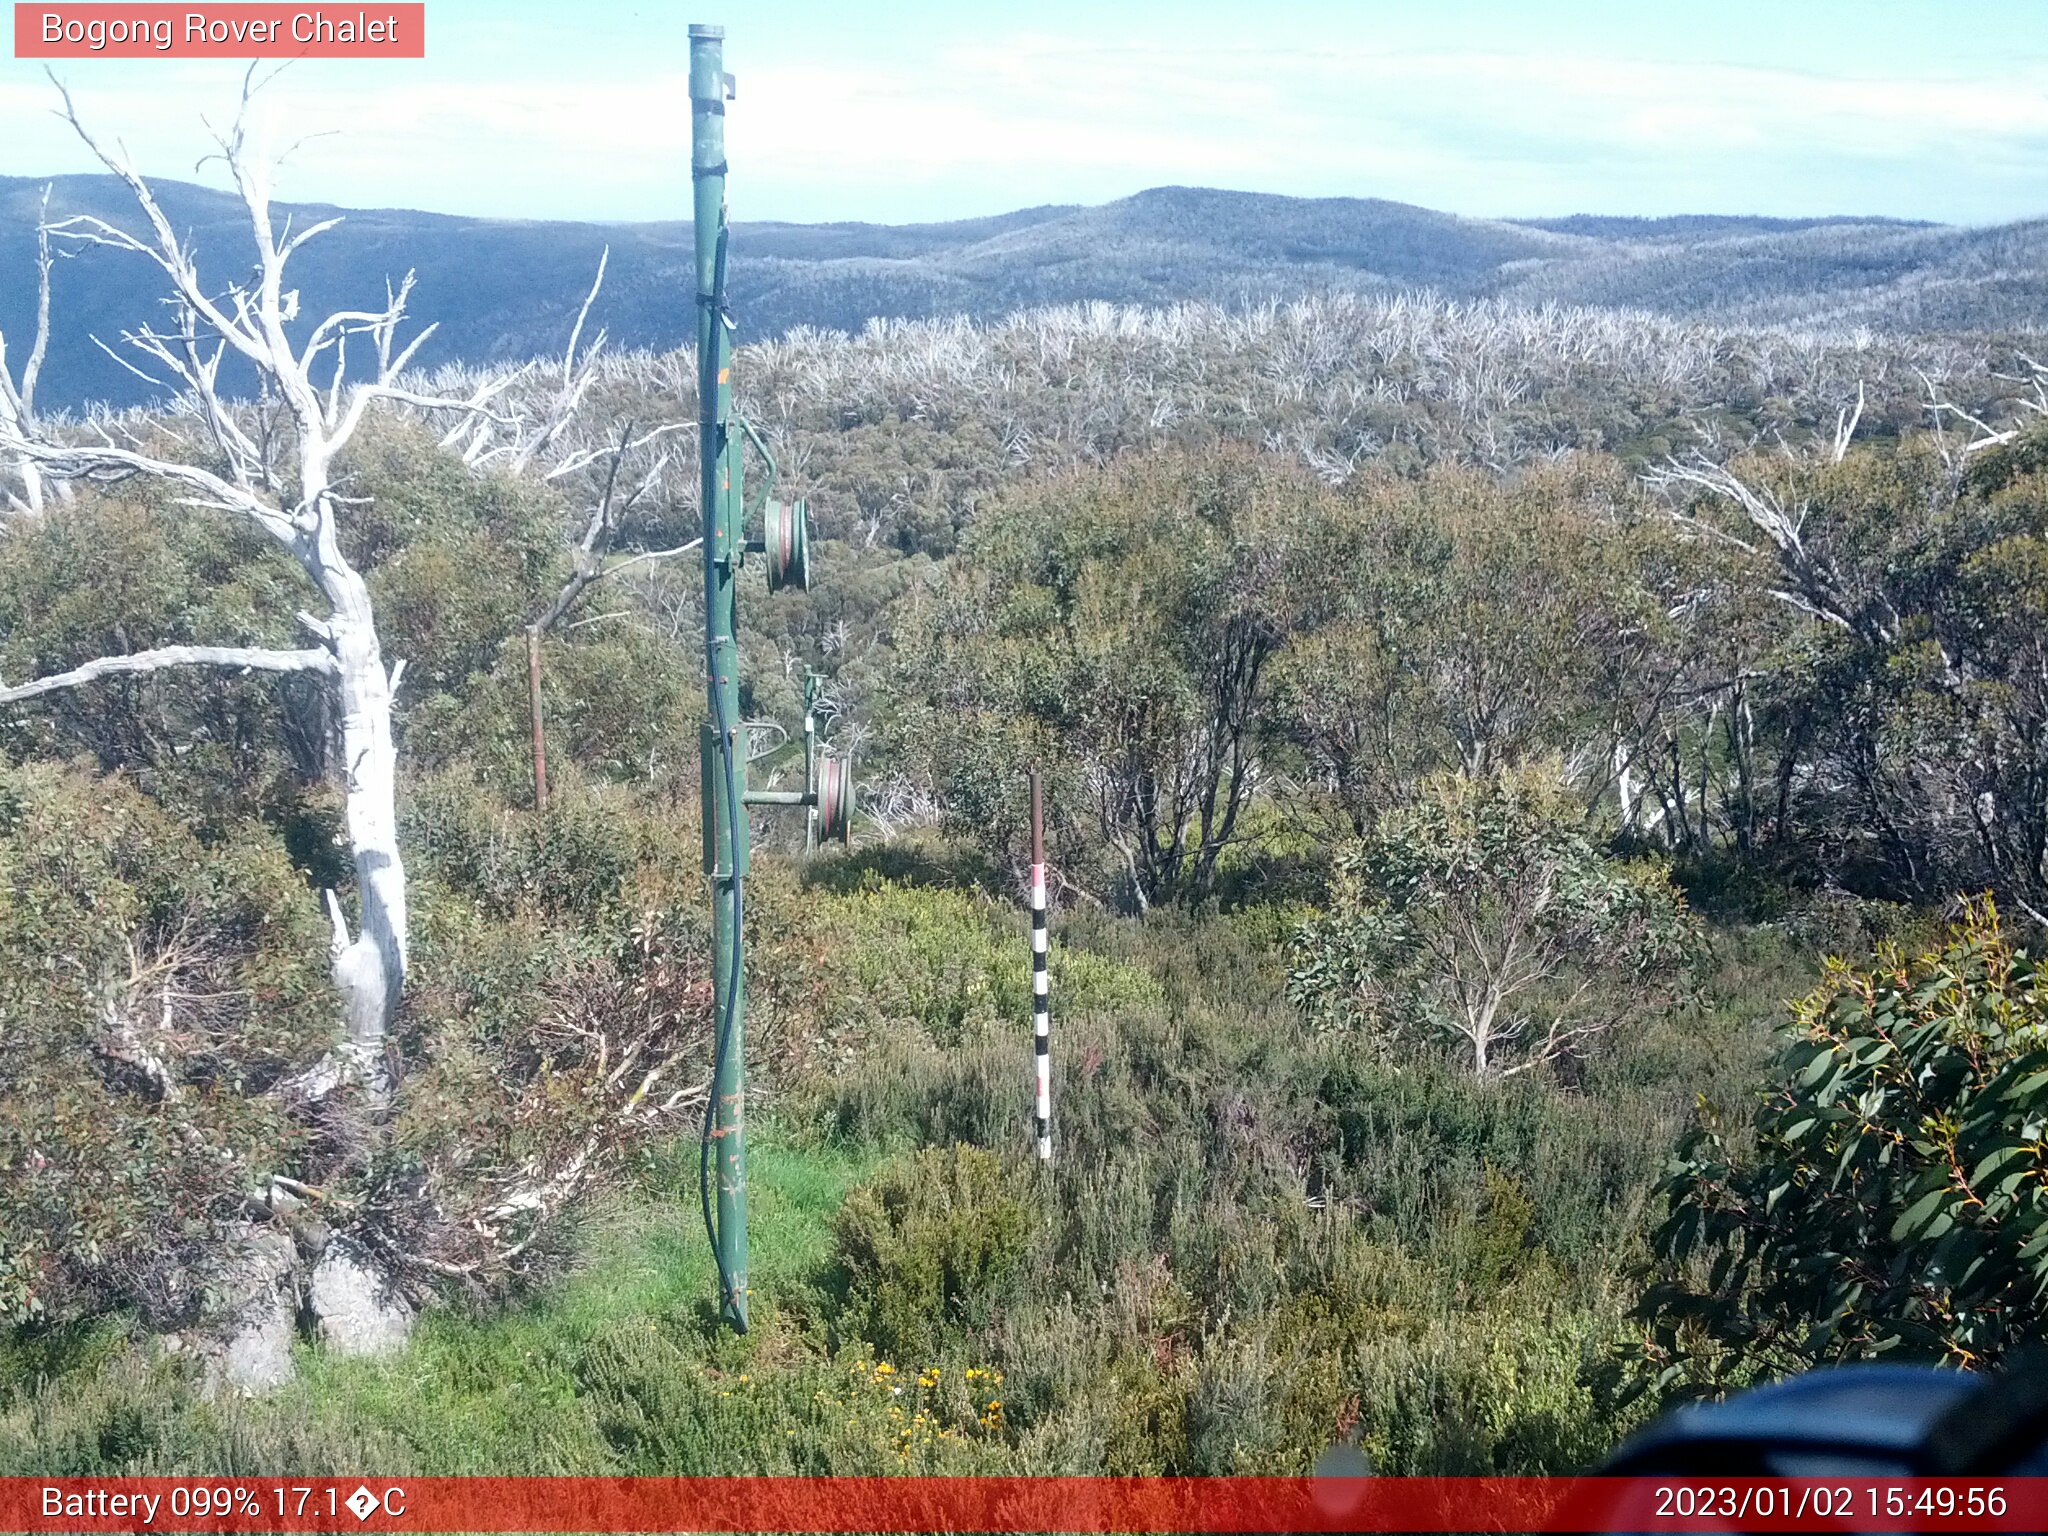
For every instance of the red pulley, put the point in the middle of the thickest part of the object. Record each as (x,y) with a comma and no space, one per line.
(786,537)
(835,799)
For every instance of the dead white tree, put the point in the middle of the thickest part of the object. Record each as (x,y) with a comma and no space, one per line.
(1776,536)
(1773,528)
(2028,408)
(608,506)
(18,396)
(273,460)
(550,432)
(283,482)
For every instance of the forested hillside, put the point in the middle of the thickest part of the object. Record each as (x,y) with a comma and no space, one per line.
(506,290)
(1470,727)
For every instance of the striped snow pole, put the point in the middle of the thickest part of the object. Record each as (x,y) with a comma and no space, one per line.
(1041,981)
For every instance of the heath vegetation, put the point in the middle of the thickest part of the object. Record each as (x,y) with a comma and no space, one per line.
(1523,782)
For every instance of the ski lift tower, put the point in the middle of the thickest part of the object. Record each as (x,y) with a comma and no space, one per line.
(785,545)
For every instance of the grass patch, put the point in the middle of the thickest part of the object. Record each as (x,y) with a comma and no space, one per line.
(510,1393)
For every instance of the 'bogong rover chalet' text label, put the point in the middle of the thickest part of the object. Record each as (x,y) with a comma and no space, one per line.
(233,31)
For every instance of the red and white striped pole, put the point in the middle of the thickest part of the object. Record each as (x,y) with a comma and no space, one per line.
(1041,981)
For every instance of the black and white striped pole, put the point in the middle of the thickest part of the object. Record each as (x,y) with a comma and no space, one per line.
(1041,981)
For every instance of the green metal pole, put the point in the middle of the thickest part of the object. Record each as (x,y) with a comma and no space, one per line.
(725,815)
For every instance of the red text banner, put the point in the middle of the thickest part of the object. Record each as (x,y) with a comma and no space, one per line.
(220,31)
(1005,1504)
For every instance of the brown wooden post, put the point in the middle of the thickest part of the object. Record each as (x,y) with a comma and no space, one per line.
(540,742)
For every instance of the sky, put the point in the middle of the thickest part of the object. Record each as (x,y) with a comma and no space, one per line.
(902,111)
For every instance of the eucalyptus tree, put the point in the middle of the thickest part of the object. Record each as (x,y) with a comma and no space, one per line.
(1481,913)
(1879,607)
(1474,623)
(283,481)
(1122,626)
(1885,1198)
(274,462)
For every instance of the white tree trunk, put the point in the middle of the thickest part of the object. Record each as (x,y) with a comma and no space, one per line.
(1625,785)
(369,971)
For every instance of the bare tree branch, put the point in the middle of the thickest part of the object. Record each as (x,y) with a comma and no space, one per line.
(32,369)
(1812,584)
(583,314)
(101,461)
(239,658)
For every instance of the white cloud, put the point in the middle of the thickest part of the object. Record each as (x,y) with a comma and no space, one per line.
(1031,119)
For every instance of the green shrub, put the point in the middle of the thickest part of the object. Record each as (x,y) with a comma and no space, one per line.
(1895,1200)
(935,960)
(122,568)
(934,1241)
(576,859)
(1431,1157)
(660,1406)
(153,988)
(1499,1390)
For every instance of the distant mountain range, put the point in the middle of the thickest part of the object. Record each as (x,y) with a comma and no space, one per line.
(508,289)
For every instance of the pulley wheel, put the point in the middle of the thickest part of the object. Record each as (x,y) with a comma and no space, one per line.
(835,799)
(786,535)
